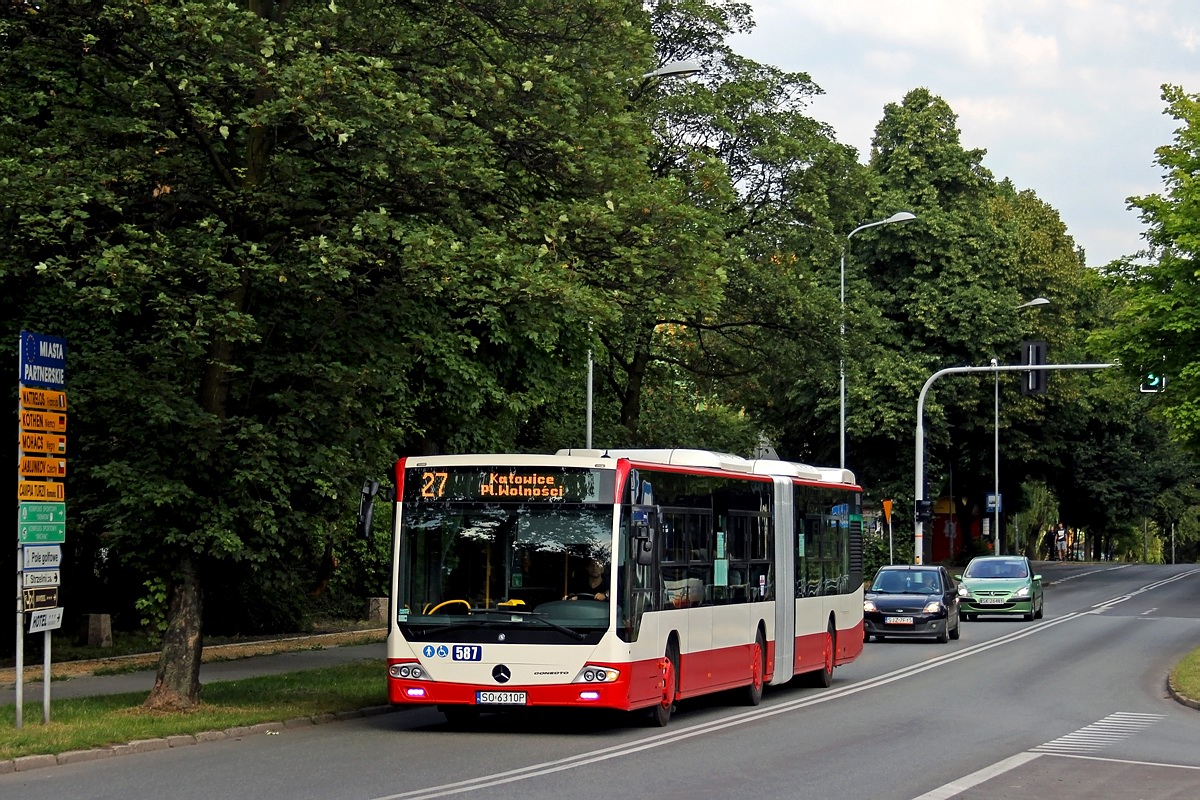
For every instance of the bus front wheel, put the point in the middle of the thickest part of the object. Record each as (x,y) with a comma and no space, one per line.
(660,714)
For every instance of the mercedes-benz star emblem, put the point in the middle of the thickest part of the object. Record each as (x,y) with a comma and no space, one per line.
(501,674)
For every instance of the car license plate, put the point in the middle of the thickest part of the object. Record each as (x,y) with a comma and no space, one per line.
(897,620)
(467,652)
(485,698)
(991,601)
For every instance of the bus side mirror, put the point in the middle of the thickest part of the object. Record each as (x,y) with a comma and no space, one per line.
(643,544)
(366,509)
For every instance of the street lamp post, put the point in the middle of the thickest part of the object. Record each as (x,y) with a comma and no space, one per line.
(899,216)
(674,69)
(996,540)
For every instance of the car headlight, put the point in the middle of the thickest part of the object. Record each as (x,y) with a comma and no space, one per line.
(1022,592)
(963,591)
(869,605)
(933,608)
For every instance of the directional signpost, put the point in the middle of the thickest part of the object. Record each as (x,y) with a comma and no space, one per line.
(41,496)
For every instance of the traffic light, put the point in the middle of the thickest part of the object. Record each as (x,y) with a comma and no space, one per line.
(1033,381)
(1153,382)
(924,511)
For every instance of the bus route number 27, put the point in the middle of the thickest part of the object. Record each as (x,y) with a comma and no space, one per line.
(433,484)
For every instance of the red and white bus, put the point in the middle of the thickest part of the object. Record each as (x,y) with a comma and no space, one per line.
(619,579)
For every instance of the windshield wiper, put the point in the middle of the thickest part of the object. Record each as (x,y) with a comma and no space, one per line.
(536,616)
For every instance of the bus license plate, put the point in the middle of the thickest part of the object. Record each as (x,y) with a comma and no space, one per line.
(500,698)
(897,620)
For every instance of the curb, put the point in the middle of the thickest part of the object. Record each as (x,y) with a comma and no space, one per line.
(27,763)
(1181,698)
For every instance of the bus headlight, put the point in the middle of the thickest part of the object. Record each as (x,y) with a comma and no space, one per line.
(408,671)
(595,674)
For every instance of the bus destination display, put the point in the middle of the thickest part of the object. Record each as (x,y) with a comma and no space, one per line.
(471,484)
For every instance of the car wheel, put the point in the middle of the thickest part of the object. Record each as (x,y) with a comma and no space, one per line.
(1041,610)
(954,634)
(944,636)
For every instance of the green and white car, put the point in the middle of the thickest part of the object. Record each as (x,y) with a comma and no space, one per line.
(1002,585)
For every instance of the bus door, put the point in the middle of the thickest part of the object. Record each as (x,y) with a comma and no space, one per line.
(785,578)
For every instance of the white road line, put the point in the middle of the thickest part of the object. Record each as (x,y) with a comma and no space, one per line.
(1110,730)
(975,778)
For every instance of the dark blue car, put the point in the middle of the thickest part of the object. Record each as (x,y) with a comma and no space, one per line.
(911,602)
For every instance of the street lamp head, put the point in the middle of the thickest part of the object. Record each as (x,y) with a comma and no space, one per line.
(900,216)
(1037,301)
(675,69)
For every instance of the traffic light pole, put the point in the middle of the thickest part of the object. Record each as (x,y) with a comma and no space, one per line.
(919,493)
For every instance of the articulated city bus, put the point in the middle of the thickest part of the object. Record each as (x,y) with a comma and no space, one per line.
(618,579)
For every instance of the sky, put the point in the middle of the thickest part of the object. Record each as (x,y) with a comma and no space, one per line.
(1065,95)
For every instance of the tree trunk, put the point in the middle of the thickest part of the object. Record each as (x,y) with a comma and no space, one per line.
(177,684)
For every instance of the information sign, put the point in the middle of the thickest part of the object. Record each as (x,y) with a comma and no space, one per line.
(39,578)
(49,619)
(47,421)
(37,599)
(45,399)
(48,556)
(42,512)
(41,490)
(34,442)
(43,361)
(42,532)
(40,467)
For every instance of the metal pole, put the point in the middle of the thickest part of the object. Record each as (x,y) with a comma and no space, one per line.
(996,467)
(19,696)
(589,400)
(891,548)
(842,359)
(919,437)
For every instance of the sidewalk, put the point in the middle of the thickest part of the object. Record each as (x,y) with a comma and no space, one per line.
(212,672)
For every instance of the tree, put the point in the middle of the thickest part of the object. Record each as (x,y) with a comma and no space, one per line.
(1157,328)
(295,237)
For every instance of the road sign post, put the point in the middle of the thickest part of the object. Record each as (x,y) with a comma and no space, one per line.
(41,495)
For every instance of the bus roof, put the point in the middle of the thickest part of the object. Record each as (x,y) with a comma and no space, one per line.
(681,457)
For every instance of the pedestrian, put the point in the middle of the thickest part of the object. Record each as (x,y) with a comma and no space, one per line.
(1060,543)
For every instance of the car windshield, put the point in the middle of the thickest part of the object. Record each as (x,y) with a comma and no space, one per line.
(907,582)
(997,568)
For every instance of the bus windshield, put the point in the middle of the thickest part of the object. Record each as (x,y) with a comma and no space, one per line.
(471,568)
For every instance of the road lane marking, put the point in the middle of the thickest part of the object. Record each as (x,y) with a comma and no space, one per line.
(1110,730)
(981,776)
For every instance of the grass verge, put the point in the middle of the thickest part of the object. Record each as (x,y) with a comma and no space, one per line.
(85,723)
(1186,675)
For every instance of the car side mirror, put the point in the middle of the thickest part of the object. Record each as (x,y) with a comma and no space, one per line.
(1037,578)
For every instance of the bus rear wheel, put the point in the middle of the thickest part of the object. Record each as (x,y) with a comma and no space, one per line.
(758,667)
(823,678)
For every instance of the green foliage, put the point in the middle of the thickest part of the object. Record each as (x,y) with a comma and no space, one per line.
(1158,326)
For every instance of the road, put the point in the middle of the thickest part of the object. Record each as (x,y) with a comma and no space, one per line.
(1069,707)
